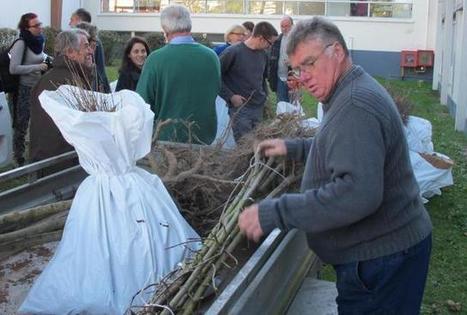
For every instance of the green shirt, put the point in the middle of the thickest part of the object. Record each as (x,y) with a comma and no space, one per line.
(181,81)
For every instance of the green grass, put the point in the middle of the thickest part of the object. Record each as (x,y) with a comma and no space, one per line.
(447,278)
(112,73)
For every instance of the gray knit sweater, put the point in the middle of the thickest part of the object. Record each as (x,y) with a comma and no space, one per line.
(359,199)
(30,70)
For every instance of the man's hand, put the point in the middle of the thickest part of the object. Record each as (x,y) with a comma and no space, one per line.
(237,100)
(272,147)
(248,222)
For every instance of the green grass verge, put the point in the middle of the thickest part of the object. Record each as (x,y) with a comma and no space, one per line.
(447,278)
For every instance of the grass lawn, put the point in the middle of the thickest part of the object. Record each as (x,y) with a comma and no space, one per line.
(447,279)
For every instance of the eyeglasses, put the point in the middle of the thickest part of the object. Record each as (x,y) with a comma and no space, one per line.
(309,62)
(269,42)
(239,34)
(36,25)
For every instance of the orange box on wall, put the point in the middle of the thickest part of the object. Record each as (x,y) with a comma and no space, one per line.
(409,58)
(425,58)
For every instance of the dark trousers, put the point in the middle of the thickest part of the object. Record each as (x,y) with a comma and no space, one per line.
(245,119)
(392,284)
(22,111)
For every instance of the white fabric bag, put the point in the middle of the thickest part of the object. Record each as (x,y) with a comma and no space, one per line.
(429,178)
(418,132)
(224,132)
(285,107)
(123,228)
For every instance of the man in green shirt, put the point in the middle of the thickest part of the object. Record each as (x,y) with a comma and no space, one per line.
(181,81)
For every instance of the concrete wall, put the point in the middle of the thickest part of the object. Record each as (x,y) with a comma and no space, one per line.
(450,71)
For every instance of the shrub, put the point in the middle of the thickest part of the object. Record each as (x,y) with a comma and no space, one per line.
(203,39)
(50,35)
(155,40)
(113,44)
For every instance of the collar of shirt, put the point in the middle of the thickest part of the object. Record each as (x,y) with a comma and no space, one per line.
(186,39)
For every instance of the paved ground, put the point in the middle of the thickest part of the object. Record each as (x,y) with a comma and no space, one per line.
(18,273)
(315,297)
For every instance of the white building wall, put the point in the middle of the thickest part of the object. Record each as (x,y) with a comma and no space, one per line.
(377,34)
(11,11)
(451,69)
(361,33)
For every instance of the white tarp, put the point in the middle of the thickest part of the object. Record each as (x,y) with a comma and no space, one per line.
(6,137)
(123,230)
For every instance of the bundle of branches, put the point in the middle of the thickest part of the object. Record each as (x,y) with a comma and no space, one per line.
(402,101)
(183,290)
(20,230)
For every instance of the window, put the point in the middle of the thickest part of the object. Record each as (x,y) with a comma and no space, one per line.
(130,6)
(349,8)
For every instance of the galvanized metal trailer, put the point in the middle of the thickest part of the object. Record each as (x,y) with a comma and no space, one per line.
(266,284)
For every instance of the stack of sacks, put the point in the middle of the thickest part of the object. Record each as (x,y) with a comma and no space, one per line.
(432,170)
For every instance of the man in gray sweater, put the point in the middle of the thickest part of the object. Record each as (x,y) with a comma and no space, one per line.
(244,72)
(359,202)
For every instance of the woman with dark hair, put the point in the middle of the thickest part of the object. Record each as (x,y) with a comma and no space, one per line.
(27,61)
(134,56)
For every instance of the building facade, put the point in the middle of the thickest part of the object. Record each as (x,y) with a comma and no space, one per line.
(451,63)
(375,31)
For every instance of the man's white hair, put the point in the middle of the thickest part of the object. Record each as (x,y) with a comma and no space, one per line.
(175,19)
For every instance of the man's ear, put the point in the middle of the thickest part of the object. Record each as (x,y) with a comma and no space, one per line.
(339,51)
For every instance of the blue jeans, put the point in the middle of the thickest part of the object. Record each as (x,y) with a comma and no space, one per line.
(392,284)
(282,91)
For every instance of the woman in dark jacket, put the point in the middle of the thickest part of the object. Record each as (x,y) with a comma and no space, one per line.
(134,56)
(27,61)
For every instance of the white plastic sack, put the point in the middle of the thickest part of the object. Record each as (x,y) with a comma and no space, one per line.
(285,107)
(429,178)
(224,133)
(418,132)
(123,228)
(6,137)
(113,85)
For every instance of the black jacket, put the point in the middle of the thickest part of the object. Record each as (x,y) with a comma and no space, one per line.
(128,79)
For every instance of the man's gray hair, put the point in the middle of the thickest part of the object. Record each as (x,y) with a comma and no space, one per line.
(89,28)
(175,19)
(316,28)
(70,39)
(287,17)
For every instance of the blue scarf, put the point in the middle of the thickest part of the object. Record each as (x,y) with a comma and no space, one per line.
(35,43)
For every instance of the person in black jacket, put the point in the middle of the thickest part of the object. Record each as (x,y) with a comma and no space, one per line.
(134,56)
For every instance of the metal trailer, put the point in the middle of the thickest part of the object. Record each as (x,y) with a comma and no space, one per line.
(266,284)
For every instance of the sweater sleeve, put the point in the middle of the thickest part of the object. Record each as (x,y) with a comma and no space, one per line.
(17,52)
(298,149)
(226,59)
(355,157)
